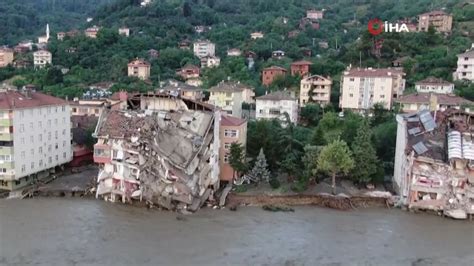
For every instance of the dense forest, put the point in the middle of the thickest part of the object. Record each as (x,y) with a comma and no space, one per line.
(163,24)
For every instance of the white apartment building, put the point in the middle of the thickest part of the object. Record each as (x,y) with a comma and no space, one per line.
(41,58)
(210,61)
(204,48)
(316,87)
(274,105)
(435,85)
(35,137)
(465,69)
(362,88)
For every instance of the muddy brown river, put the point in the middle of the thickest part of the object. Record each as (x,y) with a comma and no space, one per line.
(57,231)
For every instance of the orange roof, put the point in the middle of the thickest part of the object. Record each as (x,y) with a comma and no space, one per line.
(14,99)
(275,68)
(228,121)
(139,62)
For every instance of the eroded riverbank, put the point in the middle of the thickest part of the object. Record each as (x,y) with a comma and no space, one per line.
(63,231)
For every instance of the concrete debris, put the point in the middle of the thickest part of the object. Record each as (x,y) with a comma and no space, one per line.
(440,178)
(167,158)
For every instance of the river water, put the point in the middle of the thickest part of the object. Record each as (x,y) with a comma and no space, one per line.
(59,231)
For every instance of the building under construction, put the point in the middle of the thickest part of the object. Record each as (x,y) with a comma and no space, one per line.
(165,151)
(434,162)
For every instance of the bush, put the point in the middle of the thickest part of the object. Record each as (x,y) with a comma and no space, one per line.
(274,182)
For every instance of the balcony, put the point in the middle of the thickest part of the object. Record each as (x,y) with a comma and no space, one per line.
(6,122)
(6,137)
(4,150)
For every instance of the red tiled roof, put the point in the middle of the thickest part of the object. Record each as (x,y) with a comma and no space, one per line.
(302,62)
(445,99)
(374,72)
(228,121)
(14,99)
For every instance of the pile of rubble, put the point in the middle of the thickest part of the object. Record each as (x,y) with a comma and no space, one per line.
(168,158)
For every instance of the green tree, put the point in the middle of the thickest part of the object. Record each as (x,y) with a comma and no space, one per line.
(364,153)
(260,169)
(311,114)
(310,161)
(335,159)
(237,158)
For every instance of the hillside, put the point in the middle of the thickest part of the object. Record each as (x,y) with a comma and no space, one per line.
(27,18)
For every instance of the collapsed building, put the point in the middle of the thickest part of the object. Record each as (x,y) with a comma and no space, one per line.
(434,162)
(164,151)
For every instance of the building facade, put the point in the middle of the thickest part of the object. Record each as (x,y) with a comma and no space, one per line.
(432,101)
(92,32)
(439,20)
(270,73)
(362,88)
(35,137)
(124,31)
(232,130)
(6,57)
(256,35)
(42,58)
(316,87)
(204,48)
(274,105)
(435,85)
(230,96)
(210,61)
(465,68)
(314,14)
(139,68)
(300,68)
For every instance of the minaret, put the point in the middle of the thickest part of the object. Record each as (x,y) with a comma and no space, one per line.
(47,32)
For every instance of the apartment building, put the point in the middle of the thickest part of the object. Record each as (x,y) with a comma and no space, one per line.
(139,68)
(234,52)
(35,137)
(6,57)
(124,31)
(166,154)
(271,73)
(314,14)
(439,20)
(315,89)
(204,48)
(362,88)
(42,58)
(432,101)
(435,85)
(210,61)
(256,35)
(300,68)
(232,130)
(92,32)
(230,95)
(274,105)
(465,68)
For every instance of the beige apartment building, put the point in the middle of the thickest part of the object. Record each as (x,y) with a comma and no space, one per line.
(6,56)
(362,88)
(35,137)
(318,87)
(41,58)
(232,130)
(139,68)
(230,95)
(440,20)
(465,68)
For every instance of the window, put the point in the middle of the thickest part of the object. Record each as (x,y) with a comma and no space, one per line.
(64,155)
(351,79)
(57,158)
(49,148)
(23,168)
(56,146)
(351,95)
(40,124)
(3,170)
(226,158)
(64,132)
(56,134)
(22,128)
(50,160)
(49,135)
(230,133)
(64,143)
(5,158)
(40,150)
(40,163)
(31,125)
(32,165)
(74,109)
(382,96)
(227,146)
(22,155)
(32,152)
(63,108)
